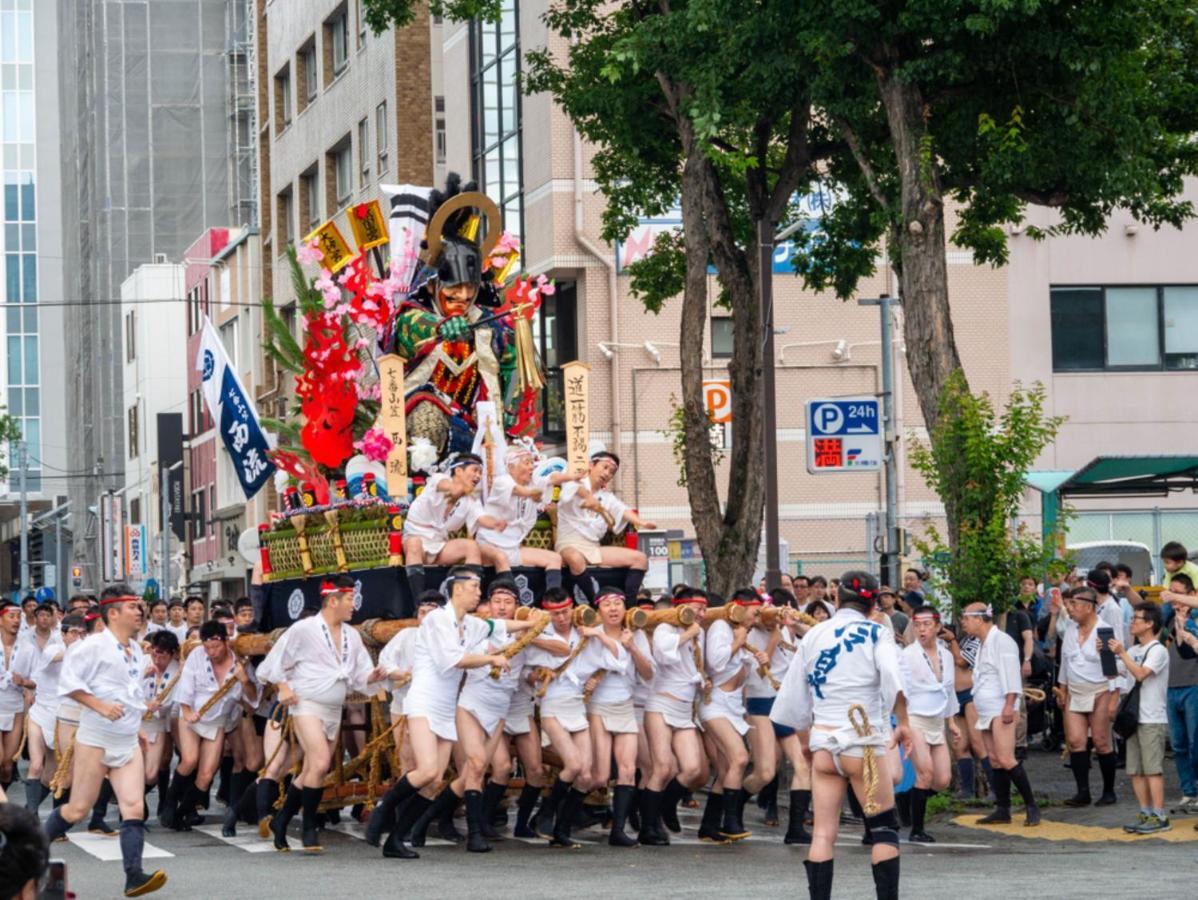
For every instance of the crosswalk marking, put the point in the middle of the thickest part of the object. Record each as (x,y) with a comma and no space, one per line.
(108,849)
(357,830)
(247,839)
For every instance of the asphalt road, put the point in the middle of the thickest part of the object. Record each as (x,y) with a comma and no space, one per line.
(965,862)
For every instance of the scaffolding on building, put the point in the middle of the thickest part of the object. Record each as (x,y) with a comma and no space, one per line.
(241,107)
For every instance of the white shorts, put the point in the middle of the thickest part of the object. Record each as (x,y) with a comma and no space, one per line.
(511,554)
(846,742)
(43,717)
(207,730)
(153,728)
(519,714)
(118,749)
(931,727)
(68,712)
(486,716)
(8,721)
(569,712)
(729,705)
(330,716)
(677,713)
(431,543)
(588,549)
(397,699)
(639,712)
(1084,694)
(617,718)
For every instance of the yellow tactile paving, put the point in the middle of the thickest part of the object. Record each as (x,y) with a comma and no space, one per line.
(1054,830)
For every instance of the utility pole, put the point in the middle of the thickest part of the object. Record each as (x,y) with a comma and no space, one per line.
(893,541)
(765,295)
(165,538)
(23,462)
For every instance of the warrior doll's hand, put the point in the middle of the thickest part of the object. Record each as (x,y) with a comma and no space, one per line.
(454,328)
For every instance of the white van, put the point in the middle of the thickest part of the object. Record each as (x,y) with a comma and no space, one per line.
(1131,553)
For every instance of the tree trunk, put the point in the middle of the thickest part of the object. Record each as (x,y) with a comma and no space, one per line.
(728,539)
(918,235)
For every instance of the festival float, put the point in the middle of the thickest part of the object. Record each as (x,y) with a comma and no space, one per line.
(402,364)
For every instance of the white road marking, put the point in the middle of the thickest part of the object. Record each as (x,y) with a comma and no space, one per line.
(108,849)
(247,838)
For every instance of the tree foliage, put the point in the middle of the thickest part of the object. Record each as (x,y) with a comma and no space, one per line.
(10,433)
(979,459)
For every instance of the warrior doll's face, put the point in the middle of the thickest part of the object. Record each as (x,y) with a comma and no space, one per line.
(455,299)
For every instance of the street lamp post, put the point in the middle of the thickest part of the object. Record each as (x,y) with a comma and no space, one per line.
(893,543)
(765,294)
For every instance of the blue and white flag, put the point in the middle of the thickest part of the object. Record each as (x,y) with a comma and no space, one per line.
(234,413)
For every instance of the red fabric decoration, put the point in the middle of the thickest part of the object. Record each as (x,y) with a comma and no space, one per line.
(302,472)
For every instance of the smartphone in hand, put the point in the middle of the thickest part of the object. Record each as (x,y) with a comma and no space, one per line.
(1110,666)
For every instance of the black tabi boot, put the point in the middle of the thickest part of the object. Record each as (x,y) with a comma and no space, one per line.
(225,792)
(415,576)
(97,825)
(170,804)
(634,813)
(447,799)
(632,583)
(1019,778)
(292,802)
(767,800)
(524,807)
(493,793)
(547,816)
(265,792)
(651,833)
(669,805)
(1002,789)
(133,839)
(796,831)
(819,879)
(886,879)
(919,808)
(228,825)
(1079,762)
(247,806)
(475,842)
(621,805)
(55,826)
(310,804)
(571,805)
(186,814)
(733,827)
(164,782)
(1107,763)
(709,826)
(415,807)
(382,817)
(35,793)
(446,830)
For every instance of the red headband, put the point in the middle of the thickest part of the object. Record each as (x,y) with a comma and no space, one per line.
(561,604)
(756,601)
(124,598)
(926,612)
(678,601)
(327,589)
(861,590)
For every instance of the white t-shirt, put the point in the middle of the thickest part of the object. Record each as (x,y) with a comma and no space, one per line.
(1152,690)
(520,513)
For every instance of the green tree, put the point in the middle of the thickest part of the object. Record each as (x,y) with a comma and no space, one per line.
(980,458)
(10,433)
(902,106)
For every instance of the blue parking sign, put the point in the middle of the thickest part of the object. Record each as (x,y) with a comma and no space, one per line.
(844,434)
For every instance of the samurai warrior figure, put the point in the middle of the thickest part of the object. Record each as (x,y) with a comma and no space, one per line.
(452,361)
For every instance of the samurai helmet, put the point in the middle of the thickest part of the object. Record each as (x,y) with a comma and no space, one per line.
(453,249)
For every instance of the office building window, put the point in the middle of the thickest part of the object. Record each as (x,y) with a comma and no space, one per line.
(285,220)
(130,336)
(721,337)
(364,151)
(495,96)
(197,509)
(339,175)
(131,437)
(1124,328)
(381,133)
(309,75)
(555,332)
(439,129)
(336,40)
(309,202)
(282,99)
(361,19)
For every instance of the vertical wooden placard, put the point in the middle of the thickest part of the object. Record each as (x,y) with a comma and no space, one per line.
(576,379)
(393,420)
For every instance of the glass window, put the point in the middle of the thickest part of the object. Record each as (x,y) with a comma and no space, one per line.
(31,431)
(364,150)
(1132,327)
(13,319)
(495,63)
(33,402)
(721,337)
(16,403)
(381,133)
(14,361)
(29,292)
(339,34)
(311,83)
(11,193)
(31,318)
(343,181)
(554,330)
(31,360)
(12,277)
(1181,327)
(27,197)
(1077,329)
